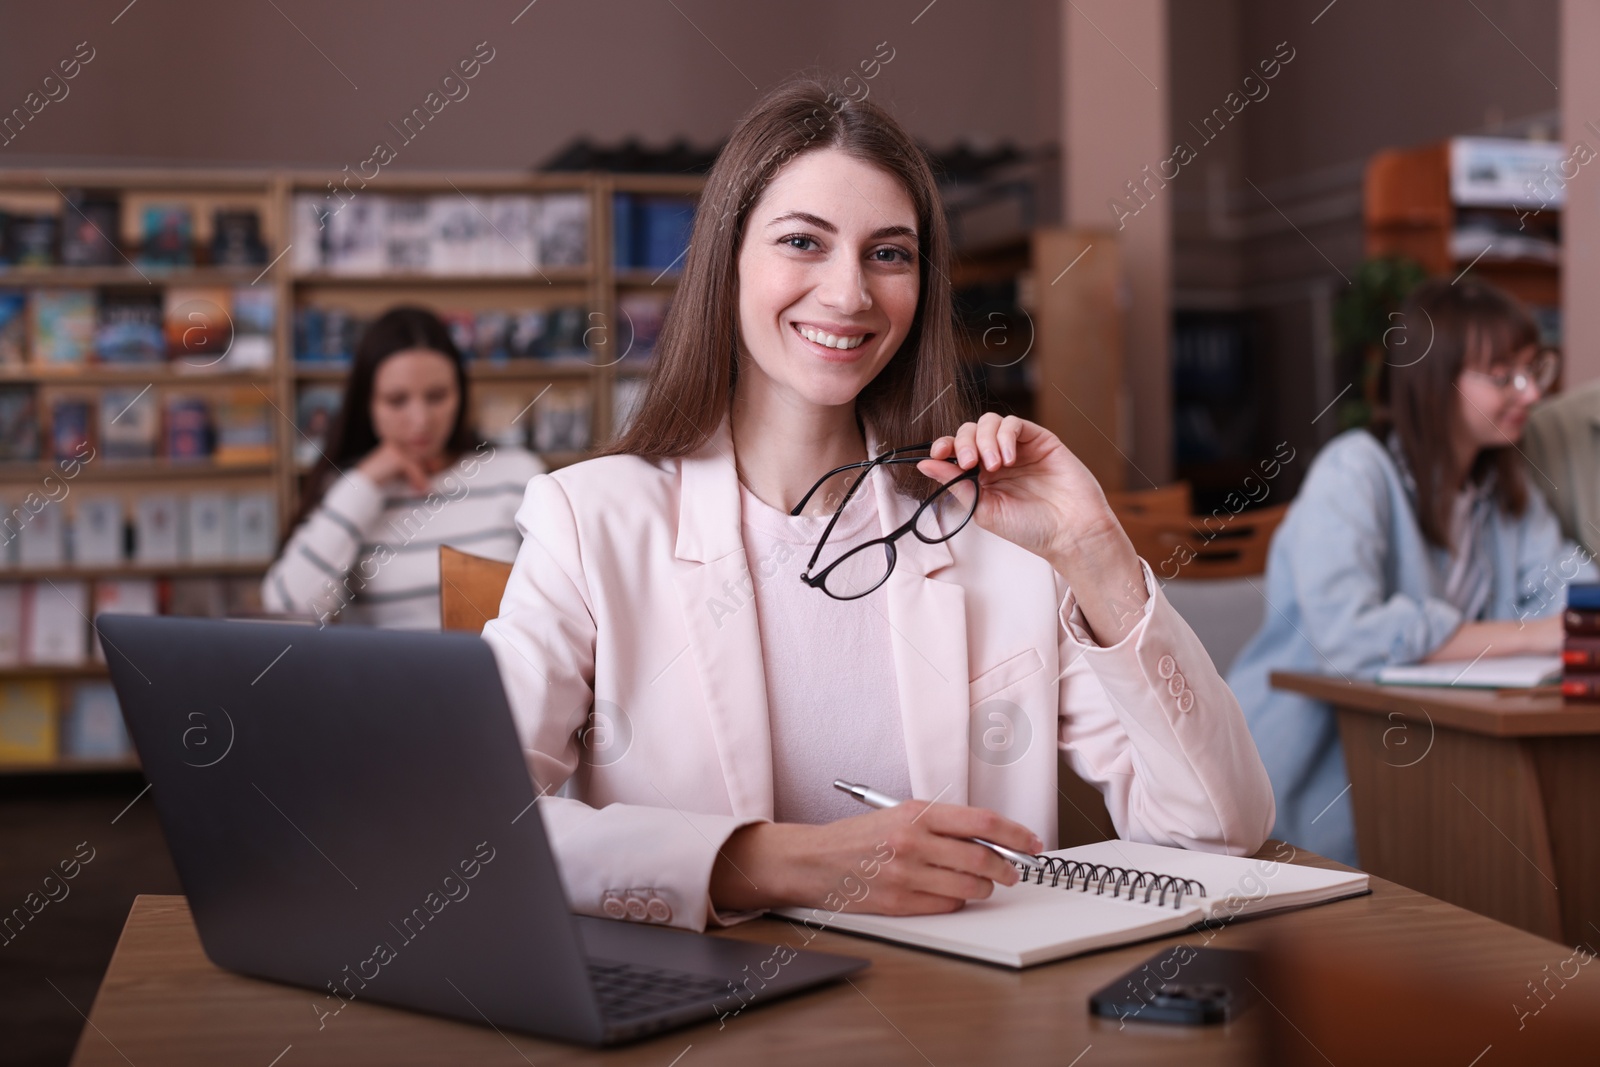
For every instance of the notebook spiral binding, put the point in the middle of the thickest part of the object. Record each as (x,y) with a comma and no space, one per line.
(1082,874)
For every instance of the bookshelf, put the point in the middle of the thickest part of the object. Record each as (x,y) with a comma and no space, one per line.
(1467,202)
(612,297)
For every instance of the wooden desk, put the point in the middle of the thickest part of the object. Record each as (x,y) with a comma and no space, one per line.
(163,1002)
(1486,800)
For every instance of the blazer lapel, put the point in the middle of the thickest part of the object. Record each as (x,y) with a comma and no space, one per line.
(928,632)
(717,594)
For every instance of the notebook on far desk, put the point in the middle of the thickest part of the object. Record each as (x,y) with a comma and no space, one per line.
(1098,896)
(1488,672)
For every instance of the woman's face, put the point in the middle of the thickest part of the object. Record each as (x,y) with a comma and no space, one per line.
(828,278)
(414,402)
(1493,416)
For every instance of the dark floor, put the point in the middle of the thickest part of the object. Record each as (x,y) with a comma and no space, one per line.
(51,968)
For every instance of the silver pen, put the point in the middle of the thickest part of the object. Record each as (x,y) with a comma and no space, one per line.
(872,798)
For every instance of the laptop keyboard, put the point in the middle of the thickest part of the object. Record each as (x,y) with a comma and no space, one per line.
(629,989)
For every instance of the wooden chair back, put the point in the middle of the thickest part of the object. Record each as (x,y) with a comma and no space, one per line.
(1223,545)
(470,588)
(1174,499)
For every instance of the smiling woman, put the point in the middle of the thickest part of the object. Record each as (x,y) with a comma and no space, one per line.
(810,359)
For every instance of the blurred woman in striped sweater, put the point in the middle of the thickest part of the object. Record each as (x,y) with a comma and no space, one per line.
(402,474)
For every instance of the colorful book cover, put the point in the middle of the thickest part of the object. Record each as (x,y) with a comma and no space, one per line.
(91,221)
(28,722)
(527,334)
(236,238)
(31,240)
(92,726)
(199,325)
(191,436)
(130,423)
(492,334)
(62,325)
(316,408)
(130,328)
(72,427)
(244,428)
(19,424)
(255,315)
(13,327)
(563,334)
(168,235)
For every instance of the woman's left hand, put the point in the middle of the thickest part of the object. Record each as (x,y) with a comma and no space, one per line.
(1035,493)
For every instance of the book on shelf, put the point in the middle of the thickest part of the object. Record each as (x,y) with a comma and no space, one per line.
(198,325)
(326,336)
(561,229)
(1099,896)
(13,327)
(525,334)
(354,242)
(514,247)
(72,433)
(309,214)
(98,531)
(209,526)
(61,326)
(491,334)
(316,410)
(1580,649)
(255,316)
(407,235)
(131,327)
(643,315)
(31,240)
(561,419)
(28,721)
(565,334)
(122,596)
(463,327)
(167,235)
(244,421)
(236,238)
(158,528)
(1506,172)
(191,435)
(19,424)
(651,231)
(461,235)
(42,540)
(91,224)
(255,525)
(499,416)
(130,423)
(11,624)
(57,630)
(91,724)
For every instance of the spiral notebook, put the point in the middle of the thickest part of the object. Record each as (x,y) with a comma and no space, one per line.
(1098,896)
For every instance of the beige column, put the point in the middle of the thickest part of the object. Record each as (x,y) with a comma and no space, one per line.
(1580,222)
(1115,114)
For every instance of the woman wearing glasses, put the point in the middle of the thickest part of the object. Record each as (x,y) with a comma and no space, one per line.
(1421,538)
(804,562)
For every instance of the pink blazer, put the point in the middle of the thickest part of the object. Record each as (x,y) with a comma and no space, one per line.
(640,695)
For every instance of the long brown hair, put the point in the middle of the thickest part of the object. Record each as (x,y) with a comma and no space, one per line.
(918,395)
(1443,329)
(351,436)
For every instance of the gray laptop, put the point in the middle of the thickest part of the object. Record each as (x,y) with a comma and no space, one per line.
(349,811)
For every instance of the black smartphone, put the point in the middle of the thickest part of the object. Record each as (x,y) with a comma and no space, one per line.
(1182,984)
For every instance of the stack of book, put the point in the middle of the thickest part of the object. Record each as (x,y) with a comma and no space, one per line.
(1580,652)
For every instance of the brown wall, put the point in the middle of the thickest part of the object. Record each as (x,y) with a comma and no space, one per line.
(236,83)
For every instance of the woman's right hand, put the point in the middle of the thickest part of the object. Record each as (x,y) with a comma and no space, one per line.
(905,860)
(386,462)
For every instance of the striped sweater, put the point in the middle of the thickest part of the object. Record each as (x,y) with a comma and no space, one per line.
(369,554)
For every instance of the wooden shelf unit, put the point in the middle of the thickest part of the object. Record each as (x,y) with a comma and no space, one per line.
(1408,211)
(271,193)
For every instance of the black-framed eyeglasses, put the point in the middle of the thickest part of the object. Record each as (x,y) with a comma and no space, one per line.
(939,517)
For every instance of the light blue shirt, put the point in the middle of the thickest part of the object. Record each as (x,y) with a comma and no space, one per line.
(1352,586)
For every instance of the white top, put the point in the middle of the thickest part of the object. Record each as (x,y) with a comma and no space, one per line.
(833,704)
(370,554)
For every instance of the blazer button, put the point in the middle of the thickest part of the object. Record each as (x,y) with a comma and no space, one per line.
(613,907)
(1166,666)
(1186,701)
(1175,684)
(635,909)
(658,910)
